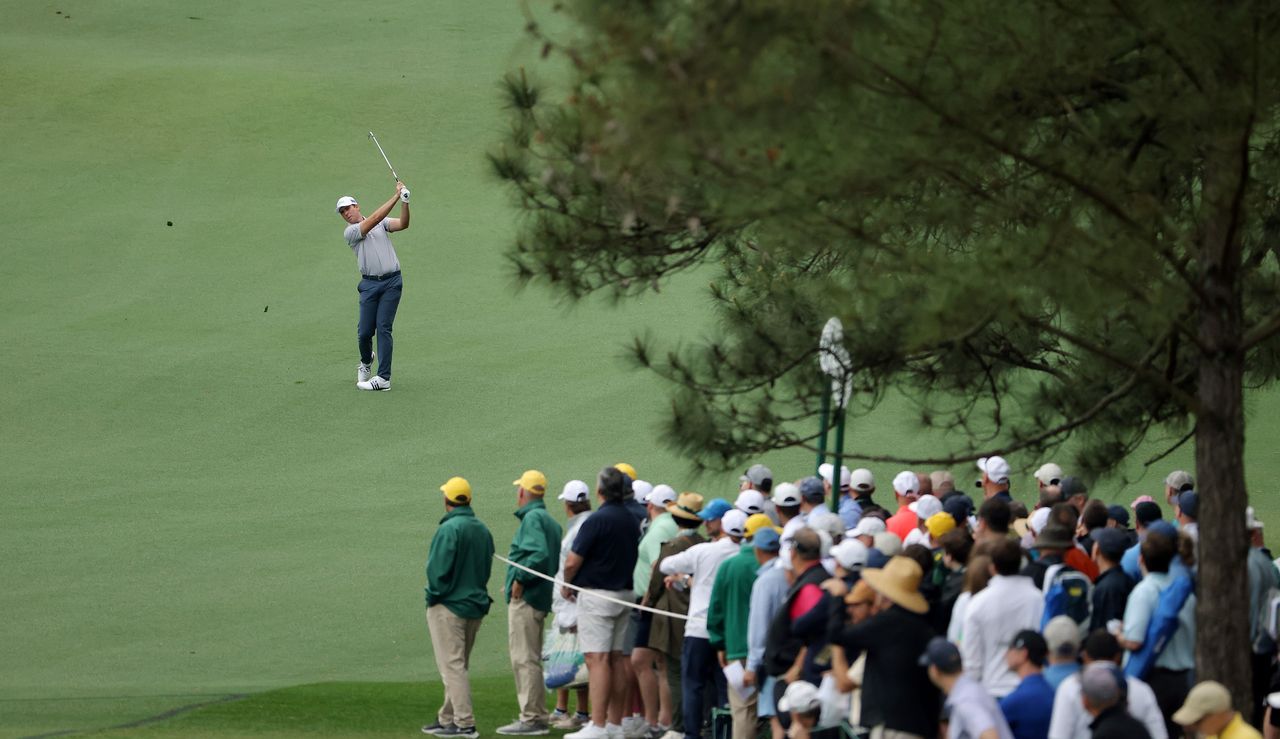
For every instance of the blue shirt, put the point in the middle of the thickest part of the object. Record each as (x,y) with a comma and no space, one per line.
(768,593)
(1179,652)
(850,512)
(609,543)
(1055,674)
(1129,562)
(1028,708)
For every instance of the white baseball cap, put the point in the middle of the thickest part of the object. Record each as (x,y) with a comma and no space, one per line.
(575,491)
(343,202)
(661,495)
(800,697)
(1038,520)
(786,494)
(824,470)
(862,480)
(906,483)
(888,543)
(750,501)
(641,490)
(868,526)
(995,468)
(1049,473)
(826,521)
(926,507)
(1251,521)
(850,553)
(734,523)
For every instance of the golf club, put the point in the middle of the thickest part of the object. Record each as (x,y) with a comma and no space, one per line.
(384,155)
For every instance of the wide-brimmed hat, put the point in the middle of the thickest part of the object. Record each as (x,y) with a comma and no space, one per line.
(687,506)
(899,581)
(1054,536)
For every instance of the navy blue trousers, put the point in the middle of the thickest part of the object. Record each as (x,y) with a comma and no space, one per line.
(379,300)
(699,670)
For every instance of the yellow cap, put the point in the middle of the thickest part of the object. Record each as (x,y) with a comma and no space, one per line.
(627,470)
(758,521)
(939,524)
(533,481)
(457,490)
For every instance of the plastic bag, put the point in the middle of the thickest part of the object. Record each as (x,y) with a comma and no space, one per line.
(561,660)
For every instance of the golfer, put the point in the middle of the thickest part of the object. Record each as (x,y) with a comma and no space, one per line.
(370,239)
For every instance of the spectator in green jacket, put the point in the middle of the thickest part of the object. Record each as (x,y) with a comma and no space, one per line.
(537,546)
(727,619)
(458,567)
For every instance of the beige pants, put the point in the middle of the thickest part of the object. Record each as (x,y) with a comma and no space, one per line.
(744,714)
(524,635)
(452,638)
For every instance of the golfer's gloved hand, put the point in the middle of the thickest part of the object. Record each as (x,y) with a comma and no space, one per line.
(404,195)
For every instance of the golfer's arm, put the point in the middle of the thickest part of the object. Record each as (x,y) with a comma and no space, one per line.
(404,217)
(368,223)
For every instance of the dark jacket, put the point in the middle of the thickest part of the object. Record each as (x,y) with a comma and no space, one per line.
(782,645)
(896,690)
(1116,723)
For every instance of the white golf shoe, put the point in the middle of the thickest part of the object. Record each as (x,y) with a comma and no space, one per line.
(374,383)
(363,372)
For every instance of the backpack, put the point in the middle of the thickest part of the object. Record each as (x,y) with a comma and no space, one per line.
(1067,592)
(1164,622)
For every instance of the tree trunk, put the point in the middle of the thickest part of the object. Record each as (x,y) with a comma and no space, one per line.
(1222,611)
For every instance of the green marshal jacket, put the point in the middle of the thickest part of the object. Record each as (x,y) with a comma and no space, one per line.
(536,546)
(459,564)
(730,601)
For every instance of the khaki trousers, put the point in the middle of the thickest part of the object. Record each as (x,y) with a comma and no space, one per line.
(452,638)
(524,635)
(744,714)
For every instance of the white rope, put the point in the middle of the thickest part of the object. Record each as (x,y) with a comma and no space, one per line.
(595,594)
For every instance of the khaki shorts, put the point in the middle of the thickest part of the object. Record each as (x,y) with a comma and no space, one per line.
(602,624)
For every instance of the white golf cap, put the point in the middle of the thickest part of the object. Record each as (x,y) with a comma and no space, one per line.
(1049,473)
(826,521)
(888,543)
(1251,521)
(786,494)
(862,480)
(641,489)
(800,697)
(575,491)
(850,553)
(343,202)
(734,523)
(1038,520)
(995,468)
(869,526)
(750,501)
(925,507)
(824,471)
(906,483)
(661,495)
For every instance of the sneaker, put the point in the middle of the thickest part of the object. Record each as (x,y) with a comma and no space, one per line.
(590,731)
(634,727)
(375,383)
(656,731)
(613,731)
(567,721)
(459,732)
(671,734)
(525,728)
(435,728)
(363,372)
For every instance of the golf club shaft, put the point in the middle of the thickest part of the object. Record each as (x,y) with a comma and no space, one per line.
(384,155)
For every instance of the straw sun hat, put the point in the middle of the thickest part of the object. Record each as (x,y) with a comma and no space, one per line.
(899,581)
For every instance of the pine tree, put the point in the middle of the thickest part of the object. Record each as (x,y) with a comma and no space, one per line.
(1041,221)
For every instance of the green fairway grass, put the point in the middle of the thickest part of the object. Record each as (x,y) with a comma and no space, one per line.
(195,502)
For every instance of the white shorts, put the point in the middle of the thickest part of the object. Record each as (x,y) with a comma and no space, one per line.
(602,624)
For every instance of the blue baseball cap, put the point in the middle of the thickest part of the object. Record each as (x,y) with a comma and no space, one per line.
(1189,504)
(943,655)
(766,540)
(715,510)
(811,489)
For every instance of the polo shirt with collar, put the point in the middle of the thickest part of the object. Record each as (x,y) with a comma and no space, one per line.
(1237,729)
(1180,651)
(608,543)
(1071,721)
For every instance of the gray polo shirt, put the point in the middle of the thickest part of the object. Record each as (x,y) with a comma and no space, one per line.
(374,252)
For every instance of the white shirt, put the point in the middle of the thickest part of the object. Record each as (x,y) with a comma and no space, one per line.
(916,536)
(701,561)
(1009,604)
(566,611)
(1071,721)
